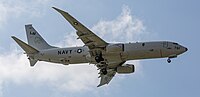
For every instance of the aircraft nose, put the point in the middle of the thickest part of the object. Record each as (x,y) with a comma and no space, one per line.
(186,49)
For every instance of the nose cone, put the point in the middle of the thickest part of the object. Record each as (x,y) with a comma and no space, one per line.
(182,49)
(186,49)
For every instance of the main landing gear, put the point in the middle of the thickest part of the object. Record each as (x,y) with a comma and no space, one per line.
(103,68)
(104,71)
(102,65)
(99,58)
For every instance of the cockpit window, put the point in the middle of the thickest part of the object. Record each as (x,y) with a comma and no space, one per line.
(175,43)
(177,47)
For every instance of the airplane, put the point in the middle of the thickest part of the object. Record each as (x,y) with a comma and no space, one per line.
(109,58)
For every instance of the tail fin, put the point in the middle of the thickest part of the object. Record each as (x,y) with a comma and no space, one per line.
(28,49)
(35,40)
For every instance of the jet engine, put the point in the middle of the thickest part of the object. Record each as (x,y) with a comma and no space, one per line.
(127,68)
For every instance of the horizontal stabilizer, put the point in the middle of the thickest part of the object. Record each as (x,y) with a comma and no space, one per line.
(32,62)
(27,48)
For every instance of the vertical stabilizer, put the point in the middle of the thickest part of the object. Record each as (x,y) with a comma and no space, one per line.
(35,40)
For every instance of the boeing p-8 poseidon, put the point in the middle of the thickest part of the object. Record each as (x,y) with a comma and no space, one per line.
(109,58)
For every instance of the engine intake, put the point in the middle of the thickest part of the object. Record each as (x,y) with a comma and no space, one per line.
(128,68)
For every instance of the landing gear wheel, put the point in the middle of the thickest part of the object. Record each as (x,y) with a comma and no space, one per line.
(169,60)
(98,59)
(104,71)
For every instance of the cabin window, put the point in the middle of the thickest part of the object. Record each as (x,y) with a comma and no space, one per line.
(143,44)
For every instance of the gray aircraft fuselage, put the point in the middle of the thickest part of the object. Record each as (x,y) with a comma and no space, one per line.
(120,52)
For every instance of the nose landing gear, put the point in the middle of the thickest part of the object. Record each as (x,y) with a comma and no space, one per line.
(169,60)
(170,57)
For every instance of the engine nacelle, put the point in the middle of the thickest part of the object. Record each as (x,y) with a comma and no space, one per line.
(128,68)
(114,48)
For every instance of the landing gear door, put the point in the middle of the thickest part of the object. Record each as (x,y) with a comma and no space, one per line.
(121,46)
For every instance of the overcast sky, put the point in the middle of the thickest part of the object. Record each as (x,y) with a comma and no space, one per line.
(114,21)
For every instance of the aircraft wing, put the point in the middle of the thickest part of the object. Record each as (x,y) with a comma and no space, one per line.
(105,79)
(88,37)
